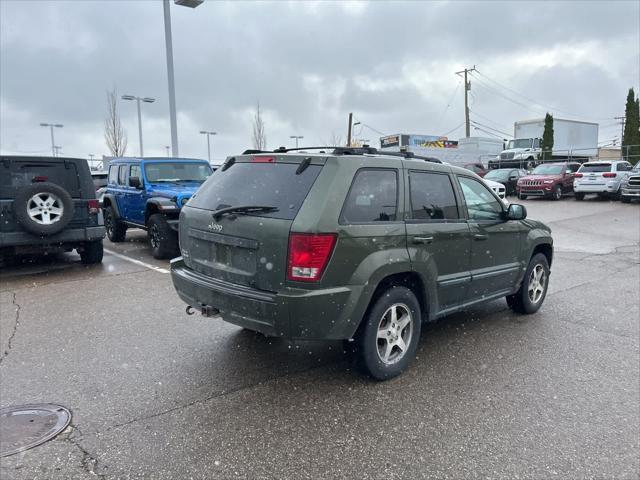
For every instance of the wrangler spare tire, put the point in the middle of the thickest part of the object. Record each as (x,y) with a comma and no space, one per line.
(43,208)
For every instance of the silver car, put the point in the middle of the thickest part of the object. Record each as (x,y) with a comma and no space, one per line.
(602,178)
(630,186)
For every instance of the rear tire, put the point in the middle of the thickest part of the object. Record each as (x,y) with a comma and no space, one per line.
(579,196)
(388,337)
(116,230)
(529,298)
(92,252)
(163,240)
(624,199)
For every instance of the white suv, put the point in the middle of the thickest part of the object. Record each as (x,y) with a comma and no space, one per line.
(602,178)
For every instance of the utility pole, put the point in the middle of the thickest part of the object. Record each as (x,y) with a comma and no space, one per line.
(467,87)
(349,130)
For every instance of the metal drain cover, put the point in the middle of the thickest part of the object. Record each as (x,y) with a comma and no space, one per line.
(27,426)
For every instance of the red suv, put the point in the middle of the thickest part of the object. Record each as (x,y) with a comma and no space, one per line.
(550,180)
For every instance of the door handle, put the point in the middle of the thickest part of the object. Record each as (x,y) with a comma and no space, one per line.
(480,236)
(422,239)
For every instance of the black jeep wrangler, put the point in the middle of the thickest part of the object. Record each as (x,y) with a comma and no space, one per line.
(48,204)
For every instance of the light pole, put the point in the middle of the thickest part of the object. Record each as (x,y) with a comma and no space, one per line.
(167,147)
(138,99)
(53,143)
(297,137)
(57,149)
(169,46)
(208,134)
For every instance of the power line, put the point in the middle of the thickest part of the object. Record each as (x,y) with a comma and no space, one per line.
(491,128)
(455,91)
(452,130)
(487,119)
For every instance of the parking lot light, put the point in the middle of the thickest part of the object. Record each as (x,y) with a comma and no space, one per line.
(138,100)
(208,134)
(54,151)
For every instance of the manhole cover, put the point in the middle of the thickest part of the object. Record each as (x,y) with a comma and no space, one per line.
(28,426)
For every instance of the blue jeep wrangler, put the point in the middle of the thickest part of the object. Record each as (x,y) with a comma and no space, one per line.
(148,193)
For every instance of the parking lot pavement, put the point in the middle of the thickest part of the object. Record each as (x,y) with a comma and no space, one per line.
(158,394)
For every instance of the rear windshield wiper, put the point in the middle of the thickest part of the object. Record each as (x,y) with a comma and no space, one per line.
(243,209)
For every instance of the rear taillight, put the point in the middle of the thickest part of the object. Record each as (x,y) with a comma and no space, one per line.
(40,178)
(93,206)
(309,255)
(609,175)
(578,175)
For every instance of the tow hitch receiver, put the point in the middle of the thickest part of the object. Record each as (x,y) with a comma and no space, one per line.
(209,311)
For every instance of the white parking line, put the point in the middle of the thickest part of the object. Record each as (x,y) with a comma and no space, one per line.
(137,262)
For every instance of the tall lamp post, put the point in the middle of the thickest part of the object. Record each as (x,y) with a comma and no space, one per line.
(208,134)
(172,89)
(138,99)
(53,143)
(297,137)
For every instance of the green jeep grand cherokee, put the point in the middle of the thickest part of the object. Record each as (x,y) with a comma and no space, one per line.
(361,247)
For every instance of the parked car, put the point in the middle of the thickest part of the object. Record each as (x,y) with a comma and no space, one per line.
(99,178)
(477,168)
(499,189)
(630,185)
(550,180)
(148,193)
(601,178)
(48,205)
(507,177)
(352,246)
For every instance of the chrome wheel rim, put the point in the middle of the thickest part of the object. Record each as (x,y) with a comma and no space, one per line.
(45,208)
(395,330)
(537,283)
(154,237)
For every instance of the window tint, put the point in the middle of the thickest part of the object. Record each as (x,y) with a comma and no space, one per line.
(623,167)
(595,167)
(373,197)
(481,204)
(122,175)
(15,174)
(432,196)
(178,171)
(135,171)
(269,184)
(574,167)
(113,174)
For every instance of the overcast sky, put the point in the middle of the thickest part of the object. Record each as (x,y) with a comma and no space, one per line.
(308,64)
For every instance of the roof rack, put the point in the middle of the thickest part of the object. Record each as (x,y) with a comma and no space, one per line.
(363,150)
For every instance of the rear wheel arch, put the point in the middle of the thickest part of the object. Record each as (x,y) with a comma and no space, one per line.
(410,280)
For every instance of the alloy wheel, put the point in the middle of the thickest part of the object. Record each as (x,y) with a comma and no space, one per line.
(537,283)
(45,208)
(395,331)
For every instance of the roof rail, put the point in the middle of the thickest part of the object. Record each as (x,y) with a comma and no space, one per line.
(364,150)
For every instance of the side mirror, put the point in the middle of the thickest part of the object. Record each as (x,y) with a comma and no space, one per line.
(516,212)
(513,177)
(135,182)
(568,172)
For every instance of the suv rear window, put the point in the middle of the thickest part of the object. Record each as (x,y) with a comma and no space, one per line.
(17,174)
(595,168)
(268,184)
(373,197)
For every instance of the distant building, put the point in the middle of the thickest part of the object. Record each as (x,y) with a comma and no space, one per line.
(609,153)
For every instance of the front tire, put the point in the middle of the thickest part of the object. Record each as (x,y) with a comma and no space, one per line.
(529,298)
(388,338)
(624,199)
(163,240)
(116,230)
(579,196)
(557,193)
(522,197)
(92,252)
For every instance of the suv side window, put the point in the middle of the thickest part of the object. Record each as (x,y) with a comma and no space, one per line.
(373,197)
(623,167)
(135,171)
(432,196)
(113,175)
(122,175)
(574,167)
(481,204)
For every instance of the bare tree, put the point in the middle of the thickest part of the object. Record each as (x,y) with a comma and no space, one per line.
(259,136)
(114,135)
(334,140)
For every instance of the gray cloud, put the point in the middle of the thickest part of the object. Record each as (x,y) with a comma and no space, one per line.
(309,64)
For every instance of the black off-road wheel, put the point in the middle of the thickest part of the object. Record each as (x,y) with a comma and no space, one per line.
(163,240)
(116,230)
(388,337)
(91,252)
(532,292)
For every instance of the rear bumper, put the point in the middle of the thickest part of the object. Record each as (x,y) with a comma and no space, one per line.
(599,188)
(292,313)
(72,235)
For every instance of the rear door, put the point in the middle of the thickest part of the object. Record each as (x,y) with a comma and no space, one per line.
(246,249)
(438,237)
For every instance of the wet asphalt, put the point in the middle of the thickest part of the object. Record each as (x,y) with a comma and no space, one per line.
(158,394)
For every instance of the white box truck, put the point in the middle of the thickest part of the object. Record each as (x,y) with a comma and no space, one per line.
(572,140)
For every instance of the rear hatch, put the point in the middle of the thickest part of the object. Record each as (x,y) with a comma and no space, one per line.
(594,173)
(16,173)
(247,248)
